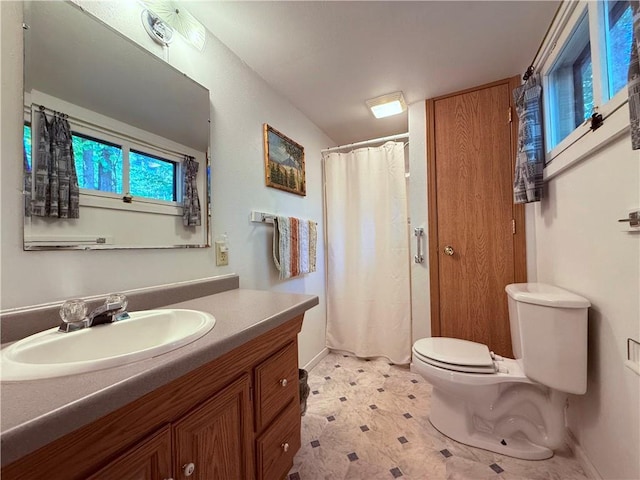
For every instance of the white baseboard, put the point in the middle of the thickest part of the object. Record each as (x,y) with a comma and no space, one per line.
(315,360)
(581,456)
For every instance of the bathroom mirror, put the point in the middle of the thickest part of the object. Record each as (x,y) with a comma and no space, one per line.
(134,119)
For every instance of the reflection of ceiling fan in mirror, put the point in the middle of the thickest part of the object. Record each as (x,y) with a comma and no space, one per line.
(161,32)
(165,16)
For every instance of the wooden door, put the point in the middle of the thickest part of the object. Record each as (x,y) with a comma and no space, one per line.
(474,249)
(151,459)
(217,437)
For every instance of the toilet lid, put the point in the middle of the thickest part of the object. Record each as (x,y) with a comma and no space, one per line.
(455,354)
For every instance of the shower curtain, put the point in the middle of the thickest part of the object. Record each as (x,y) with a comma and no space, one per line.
(368,299)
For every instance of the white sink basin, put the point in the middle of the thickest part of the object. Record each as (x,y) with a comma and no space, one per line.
(146,334)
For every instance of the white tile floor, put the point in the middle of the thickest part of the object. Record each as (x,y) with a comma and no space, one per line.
(368,420)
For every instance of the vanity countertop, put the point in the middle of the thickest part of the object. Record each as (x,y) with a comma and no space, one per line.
(34,413)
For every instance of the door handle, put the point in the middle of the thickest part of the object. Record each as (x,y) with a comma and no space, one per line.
(448,250)
(419,233)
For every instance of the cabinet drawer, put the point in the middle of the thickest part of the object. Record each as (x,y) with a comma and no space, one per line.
(277,446)
(276,385)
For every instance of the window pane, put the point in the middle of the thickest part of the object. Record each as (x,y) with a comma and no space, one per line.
(571,85)
(98,164)
(618,33)
(583,86)
(26,140)
(151,177)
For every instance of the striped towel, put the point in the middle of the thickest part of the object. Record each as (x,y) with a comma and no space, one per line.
(294,246)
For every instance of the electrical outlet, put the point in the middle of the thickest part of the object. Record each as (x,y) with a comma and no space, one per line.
(222,254)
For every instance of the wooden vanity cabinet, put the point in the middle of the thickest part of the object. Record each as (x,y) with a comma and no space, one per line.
(216,437)
(277,413)
(236,418)
(150,459)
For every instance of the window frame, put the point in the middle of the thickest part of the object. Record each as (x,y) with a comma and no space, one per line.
(110,200)
(568,19)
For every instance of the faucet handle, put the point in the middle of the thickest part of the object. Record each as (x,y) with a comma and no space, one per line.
(73,311)
(117,299)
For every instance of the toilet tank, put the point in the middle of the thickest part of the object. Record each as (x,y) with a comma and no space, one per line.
(549,335)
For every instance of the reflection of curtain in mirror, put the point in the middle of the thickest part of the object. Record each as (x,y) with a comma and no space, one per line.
(56,192)
(634,78)
(27,181)
(191,202)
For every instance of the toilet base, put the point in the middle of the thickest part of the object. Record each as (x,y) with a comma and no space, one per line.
(448,418)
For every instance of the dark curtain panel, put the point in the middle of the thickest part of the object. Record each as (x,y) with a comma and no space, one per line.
(56,192)
(527,185)
(191,202)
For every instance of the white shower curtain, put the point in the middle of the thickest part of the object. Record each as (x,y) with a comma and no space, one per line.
(368,302)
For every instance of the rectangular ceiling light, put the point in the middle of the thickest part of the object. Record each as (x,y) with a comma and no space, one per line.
(387,105)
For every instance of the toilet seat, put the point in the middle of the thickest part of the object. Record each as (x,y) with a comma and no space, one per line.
(455,354)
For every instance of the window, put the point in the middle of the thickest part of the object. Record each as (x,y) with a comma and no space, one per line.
(103,166)
(26,139)
(152,177)
(571,85)
(585,69)
(618,37)
(98,164)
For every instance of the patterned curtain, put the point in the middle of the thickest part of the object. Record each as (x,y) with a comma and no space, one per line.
(527,185)
(634,78)
(27,182)
(56,193)
(191,202)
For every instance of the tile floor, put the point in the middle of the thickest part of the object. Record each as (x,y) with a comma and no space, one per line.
(368,420)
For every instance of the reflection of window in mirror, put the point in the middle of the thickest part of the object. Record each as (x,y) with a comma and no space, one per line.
(98,164)
(152,177)
(129,135)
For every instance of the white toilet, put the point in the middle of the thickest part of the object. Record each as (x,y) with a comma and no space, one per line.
(512,407)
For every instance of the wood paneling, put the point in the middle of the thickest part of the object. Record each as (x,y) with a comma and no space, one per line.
(470,168)
(272,394)
(78,454)
(519,238)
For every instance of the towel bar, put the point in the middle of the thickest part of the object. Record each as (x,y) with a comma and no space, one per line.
(261,217)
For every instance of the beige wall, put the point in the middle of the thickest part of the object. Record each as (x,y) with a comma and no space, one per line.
(580,246)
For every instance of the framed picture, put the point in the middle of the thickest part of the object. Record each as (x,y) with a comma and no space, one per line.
(283,162)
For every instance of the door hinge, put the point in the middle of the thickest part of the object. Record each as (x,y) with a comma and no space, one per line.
(509,115)
(513,226)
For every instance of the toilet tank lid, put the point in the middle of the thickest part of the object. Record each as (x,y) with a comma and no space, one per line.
(547,295)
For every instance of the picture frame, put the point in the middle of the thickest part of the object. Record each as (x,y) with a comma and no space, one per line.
(283,162)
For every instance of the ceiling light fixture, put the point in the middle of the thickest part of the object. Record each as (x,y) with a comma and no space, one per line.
(387,105)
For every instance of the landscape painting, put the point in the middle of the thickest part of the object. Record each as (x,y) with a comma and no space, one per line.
(283,162)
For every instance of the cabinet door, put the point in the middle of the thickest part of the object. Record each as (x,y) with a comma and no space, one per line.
(150,460)
(277,446)
(276,385)
(215,438)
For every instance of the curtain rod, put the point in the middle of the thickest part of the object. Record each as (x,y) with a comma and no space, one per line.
(530,71)
(367,142)
(109,131)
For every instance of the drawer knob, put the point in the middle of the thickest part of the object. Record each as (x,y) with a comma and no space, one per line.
(188,469)
(285,447)
(284,382)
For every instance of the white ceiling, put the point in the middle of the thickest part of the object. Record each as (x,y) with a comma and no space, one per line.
(327,57)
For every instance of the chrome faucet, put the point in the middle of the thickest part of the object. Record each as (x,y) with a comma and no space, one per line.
(74,313)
